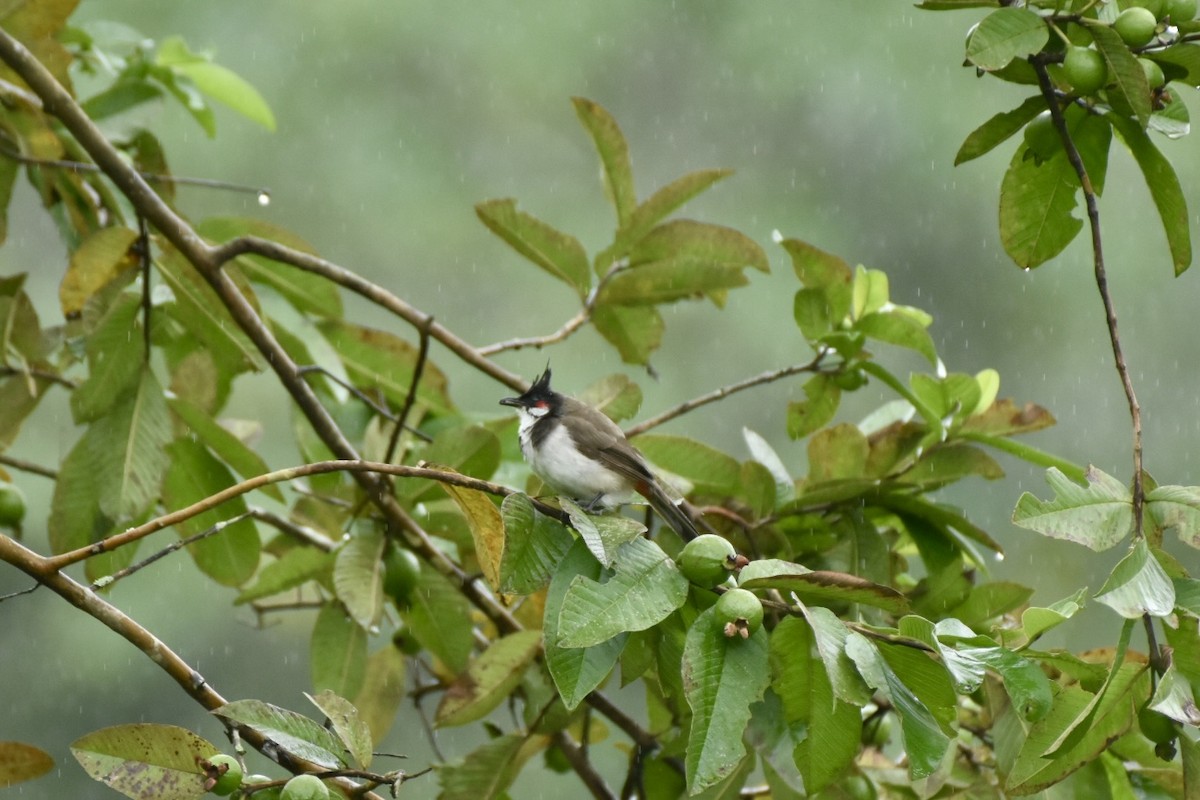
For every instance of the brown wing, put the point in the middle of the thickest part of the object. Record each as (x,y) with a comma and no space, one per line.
(606,443)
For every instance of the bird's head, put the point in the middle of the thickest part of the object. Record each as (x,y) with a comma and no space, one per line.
(539,399)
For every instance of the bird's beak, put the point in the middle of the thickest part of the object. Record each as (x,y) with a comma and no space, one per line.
(515,402)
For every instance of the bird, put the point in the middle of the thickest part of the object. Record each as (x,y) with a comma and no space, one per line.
(581,453)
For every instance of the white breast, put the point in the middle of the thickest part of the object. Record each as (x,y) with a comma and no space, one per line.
(561,465)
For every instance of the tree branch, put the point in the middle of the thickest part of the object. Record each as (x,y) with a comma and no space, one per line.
(723,392)
(1101,275)
(376,294)
(188,679)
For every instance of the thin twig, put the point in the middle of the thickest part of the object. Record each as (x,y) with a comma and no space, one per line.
(20,592)
(577,757)
(38,374)
(109,580)
(411,398)
(152,177)
(303,533)
(28,466)
(145,257)
(376,294)
(723,392)
(570,326)
(1110,313)
(287,474)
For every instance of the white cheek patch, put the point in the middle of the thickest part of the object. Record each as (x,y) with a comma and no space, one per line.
(538,411)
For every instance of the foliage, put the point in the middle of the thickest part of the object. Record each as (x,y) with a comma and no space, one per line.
(886,659)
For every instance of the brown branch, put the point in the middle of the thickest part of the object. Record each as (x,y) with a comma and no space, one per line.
(188,679)
(208,260)
(1101,275)
(376,294)
(723,392)
(109,580)
(38,374)
(577,758)
(28,466)
(287,474)
(411,398)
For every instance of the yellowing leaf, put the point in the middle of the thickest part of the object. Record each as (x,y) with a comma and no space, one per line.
(100,257)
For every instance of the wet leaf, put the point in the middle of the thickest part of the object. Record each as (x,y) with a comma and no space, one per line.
(293,732)
(1097,515)
(145,761)
(489,679)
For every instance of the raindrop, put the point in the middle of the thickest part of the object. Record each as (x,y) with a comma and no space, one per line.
(264,198)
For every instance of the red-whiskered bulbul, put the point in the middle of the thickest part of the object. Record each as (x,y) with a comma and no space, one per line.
(580,452)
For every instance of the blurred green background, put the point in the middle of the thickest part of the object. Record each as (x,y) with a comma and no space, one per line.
(841,119)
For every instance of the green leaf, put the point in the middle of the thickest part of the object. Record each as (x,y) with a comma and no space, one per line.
(722,677)
(833,727)
(706,468)
(558,253)
(439,617)
(614,157)
(837,453)
(129,452)
(618,397)
(1138,585)
(1006,34)
(1033,771)
(818,269)
(116,355)
(20,762)
(95,263)
(1036,201)
(812,312)
(830,635)
(1097,515)
(534,546)
(383,691)
(576,671)
(603,535)
(1176,507)
(924,740)
(293,732)
(358,576)
(898,328)
(819,585)
(469,449)
(998,129)
(661,203)
(644,589)
(227,446)
(1036,620)
(219,83)
(231,556)
(75,516)
(1165,190)
(1127,78)
(668,281)
(198,309)
(305,291)
(950,462)
(486,773)
(145,761)
(1024,680)
(489,679)
(762,452)
(636,331)
(822,398)
(350,728)
(338,652)
(8,178)
(295,567)
(378,360)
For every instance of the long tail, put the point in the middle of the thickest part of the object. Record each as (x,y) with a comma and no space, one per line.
(668,509)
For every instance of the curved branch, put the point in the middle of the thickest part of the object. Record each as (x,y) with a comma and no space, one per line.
(723,392)
(364,288)
(115,541)
(188,679)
